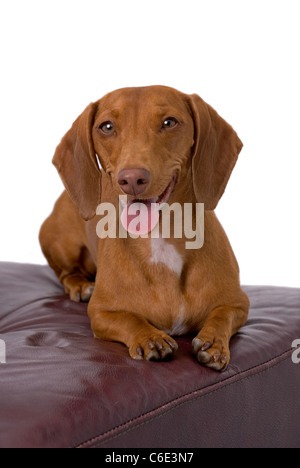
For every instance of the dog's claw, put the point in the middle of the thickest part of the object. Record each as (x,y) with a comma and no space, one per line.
(81,291)
(206,346)
(212,353)
(156,348)
(173,344)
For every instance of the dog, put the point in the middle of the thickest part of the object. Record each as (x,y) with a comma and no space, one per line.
(154,145)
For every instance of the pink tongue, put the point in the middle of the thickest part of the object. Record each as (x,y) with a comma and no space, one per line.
(140,218)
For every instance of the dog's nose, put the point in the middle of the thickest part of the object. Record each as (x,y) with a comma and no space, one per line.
(134,181)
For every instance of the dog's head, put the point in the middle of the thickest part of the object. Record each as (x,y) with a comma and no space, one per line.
(147,140)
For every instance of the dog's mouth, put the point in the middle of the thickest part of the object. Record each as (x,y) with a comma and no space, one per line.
(141,215)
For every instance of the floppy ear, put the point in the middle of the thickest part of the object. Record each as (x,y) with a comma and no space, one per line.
(216,150)
(75,161)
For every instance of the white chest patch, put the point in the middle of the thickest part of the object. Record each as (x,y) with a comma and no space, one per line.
(163,252)
(179,326)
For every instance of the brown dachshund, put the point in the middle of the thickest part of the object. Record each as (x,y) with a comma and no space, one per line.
(158,147)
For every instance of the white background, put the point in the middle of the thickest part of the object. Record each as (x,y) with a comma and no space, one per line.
(241,56)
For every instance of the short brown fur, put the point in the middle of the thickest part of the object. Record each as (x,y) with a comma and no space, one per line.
(133,299)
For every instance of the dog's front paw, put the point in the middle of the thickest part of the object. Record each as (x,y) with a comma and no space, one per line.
(157,346)
(79,291)
(212,352)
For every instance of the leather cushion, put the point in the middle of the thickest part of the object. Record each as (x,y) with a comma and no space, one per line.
(62,388)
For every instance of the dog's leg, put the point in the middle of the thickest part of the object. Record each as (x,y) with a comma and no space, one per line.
(62,239)
(142,339)
(211,346)
(78,285)
(70,264)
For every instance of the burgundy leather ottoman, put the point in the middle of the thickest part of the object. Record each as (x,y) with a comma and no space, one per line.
(61,388)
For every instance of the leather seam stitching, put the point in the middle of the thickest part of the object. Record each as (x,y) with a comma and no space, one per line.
(103,438)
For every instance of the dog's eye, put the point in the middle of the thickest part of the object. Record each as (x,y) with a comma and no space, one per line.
(170,122)
(107,128)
